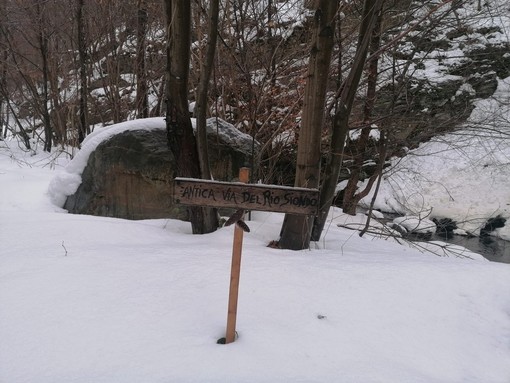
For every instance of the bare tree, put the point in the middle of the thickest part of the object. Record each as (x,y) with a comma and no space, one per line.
(351,194)
(259,79)
(296,230)
(83,59)
(179,130)
(345,101)
(6,108)
(112,63)
(43,47)
(4,54)
(142,102)
(211,222)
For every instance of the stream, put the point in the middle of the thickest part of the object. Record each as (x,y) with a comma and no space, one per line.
(493,248)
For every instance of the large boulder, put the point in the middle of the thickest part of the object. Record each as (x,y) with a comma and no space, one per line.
(130,175)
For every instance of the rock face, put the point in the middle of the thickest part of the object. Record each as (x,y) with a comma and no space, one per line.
(131,174)
(229,149)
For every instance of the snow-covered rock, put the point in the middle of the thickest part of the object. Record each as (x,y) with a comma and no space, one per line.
(415,224)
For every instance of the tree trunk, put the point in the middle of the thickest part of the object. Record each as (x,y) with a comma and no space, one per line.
(6,108)
(351,197)
(4,54)
(43,50)
(382,158)
(179,130)
(211,221)
(341,119)
(29,85)
(83,112)
(111,82)
(296,230)
(271,70)
(142,101)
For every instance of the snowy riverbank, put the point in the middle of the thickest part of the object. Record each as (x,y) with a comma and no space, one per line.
(462,175)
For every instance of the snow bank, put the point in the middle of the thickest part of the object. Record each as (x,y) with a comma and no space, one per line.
(462,175)
(414,224)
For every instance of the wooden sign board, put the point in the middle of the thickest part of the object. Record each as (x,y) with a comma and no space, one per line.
(283,199)
(243,196)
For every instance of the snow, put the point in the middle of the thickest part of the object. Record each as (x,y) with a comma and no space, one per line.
(466,173)
(414,224)
(374,133)
(94,299)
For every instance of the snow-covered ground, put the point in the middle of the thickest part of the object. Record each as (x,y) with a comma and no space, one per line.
(94,299)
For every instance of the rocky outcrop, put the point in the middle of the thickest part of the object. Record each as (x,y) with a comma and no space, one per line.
(492,224)
(131,174)
(447,72)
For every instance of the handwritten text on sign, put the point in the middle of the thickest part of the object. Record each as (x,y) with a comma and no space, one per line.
(282,199)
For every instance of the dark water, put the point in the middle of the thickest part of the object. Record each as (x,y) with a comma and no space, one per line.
(492,248)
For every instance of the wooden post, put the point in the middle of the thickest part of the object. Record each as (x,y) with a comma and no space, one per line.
(237,248)
(243,196)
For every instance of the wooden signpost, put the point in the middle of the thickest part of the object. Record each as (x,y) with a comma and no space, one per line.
(243,196)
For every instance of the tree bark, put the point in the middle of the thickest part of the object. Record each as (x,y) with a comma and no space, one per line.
(296,230)
(211,221)
(179,130)
(341,118)
(44,51)
(4,91)
(142,101)
(4,54)
(111,85)
(351,197)
(382,158)
(83,129)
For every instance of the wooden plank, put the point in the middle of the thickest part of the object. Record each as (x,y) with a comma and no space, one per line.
(244,175)
(284,199)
